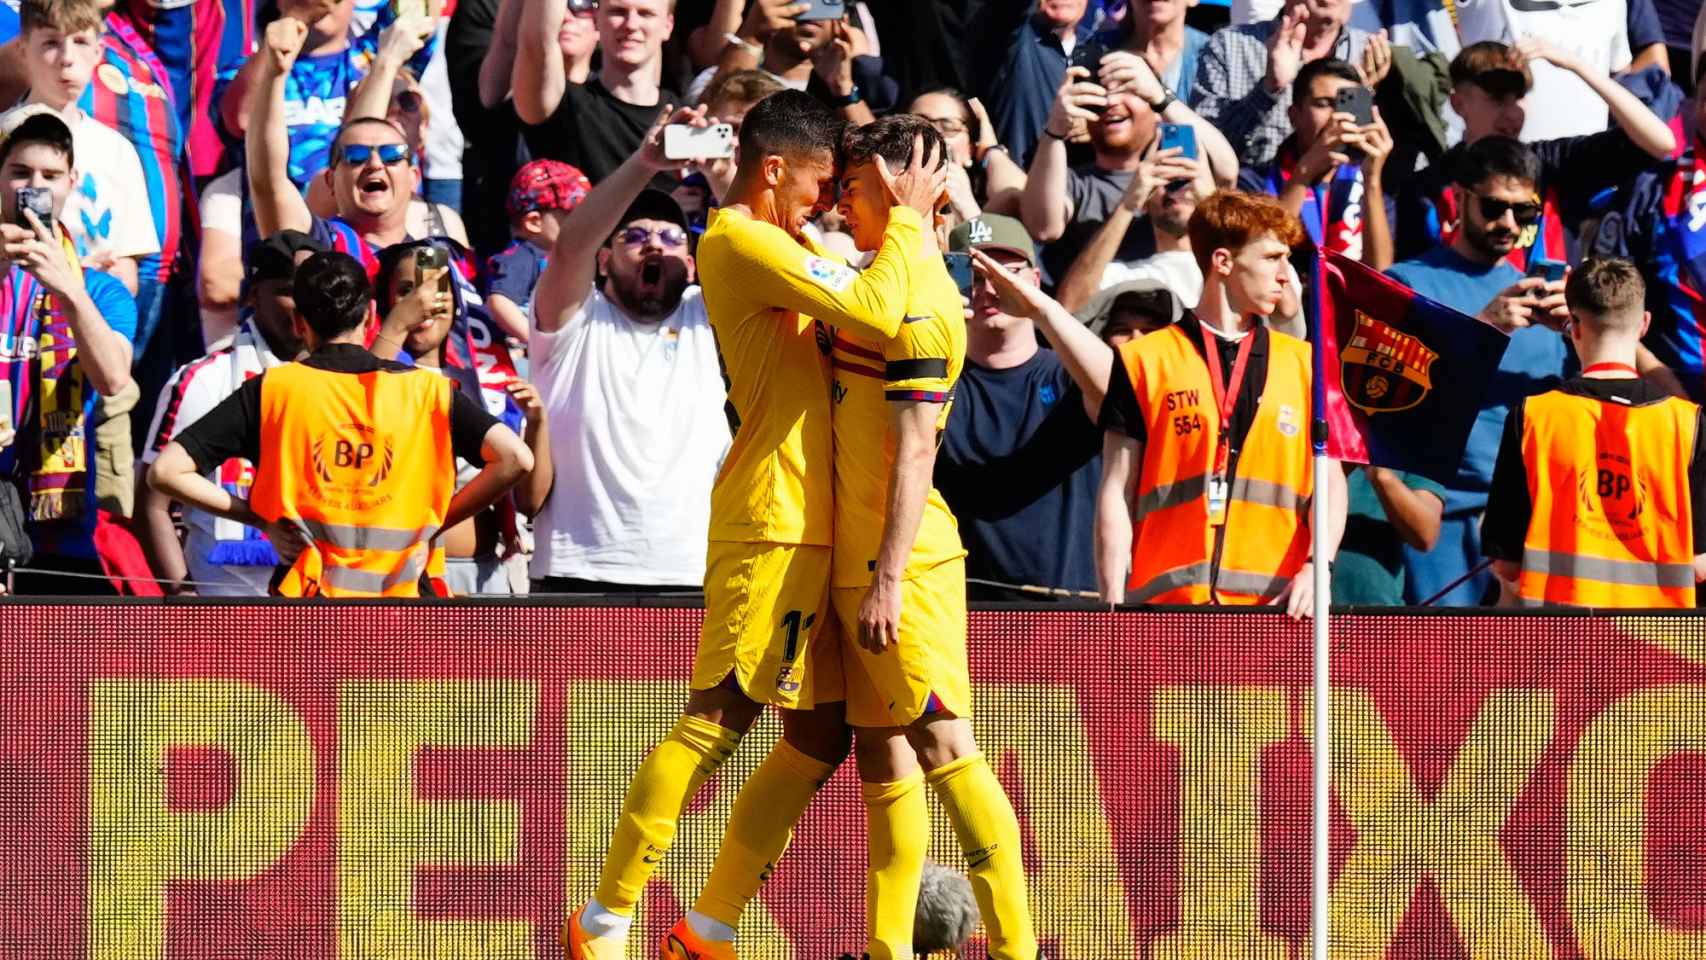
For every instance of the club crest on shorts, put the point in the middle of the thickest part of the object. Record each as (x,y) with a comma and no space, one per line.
(1383,369)
(787,680)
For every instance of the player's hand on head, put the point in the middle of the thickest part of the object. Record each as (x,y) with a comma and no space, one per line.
(922,182)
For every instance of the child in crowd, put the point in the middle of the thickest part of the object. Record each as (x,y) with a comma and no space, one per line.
(540,197)
(107,214)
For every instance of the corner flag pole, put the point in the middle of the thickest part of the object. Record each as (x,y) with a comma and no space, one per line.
(1318,530)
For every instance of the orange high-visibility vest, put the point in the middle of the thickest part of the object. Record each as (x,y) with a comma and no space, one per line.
(1613,520)
(1265,539)
(363,465)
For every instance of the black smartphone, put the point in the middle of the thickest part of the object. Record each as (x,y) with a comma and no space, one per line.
(37,200)
(432,257)
(1181,135)
(824,10)
(1550,271)
(1088,55)
(1358,102)
(959,267)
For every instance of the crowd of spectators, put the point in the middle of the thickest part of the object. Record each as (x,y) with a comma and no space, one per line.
(193,154)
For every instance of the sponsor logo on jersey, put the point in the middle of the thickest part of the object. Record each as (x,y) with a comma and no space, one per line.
(828,274)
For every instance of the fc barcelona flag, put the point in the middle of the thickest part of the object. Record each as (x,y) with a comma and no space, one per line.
(1403,377)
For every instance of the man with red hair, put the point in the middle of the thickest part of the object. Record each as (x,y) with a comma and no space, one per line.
(1206,477)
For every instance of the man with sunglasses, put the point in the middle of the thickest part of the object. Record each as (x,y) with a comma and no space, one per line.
(1494,194)
(1490,88)
(371,177)
(626,368)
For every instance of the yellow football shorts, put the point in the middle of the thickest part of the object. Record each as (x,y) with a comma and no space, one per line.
(927,671)
(767,620)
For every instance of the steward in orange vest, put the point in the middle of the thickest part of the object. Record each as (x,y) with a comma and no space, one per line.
(1206,474)
(354,456)
(1596,496)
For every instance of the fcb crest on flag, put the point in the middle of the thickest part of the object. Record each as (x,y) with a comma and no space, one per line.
(1382,369)
(1400,377)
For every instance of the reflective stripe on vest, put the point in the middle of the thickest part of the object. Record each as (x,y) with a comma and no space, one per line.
(1264,586)
(366,538)
(1625,572)
(1260,492)
(1267,494)
(348,579)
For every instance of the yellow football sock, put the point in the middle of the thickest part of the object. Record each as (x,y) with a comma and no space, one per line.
(898,822)
(772,801)
(988,832)
(671,774)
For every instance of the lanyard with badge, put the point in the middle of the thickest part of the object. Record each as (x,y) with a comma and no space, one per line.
(1225,399)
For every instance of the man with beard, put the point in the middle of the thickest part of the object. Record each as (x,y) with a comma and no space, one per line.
(628,377)
(220,557)
(1123,105)
(1494,194)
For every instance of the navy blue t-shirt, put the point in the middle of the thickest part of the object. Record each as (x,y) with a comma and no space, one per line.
(514,272)
(1019,465)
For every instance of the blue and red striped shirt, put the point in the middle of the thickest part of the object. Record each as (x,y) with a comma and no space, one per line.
(131,92)
(192,40)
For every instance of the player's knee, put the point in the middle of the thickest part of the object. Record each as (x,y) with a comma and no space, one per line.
(725,705)
(941,738)
(821,733)
(883,755)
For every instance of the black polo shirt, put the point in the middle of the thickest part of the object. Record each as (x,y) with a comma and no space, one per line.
(233,429)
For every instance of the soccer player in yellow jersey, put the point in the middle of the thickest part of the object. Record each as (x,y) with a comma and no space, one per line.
(769,290)
(898,585)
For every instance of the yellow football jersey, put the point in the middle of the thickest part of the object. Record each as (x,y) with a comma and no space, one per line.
(766,294)
(922,361)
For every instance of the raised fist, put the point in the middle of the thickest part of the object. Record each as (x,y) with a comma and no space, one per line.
(284,41)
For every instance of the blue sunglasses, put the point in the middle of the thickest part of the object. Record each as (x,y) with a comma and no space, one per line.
(390,154)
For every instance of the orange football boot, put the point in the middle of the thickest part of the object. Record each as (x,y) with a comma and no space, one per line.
(683,944)
(580,945)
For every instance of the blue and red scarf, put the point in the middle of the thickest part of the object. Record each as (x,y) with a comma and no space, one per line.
(50,395)
(1332,214)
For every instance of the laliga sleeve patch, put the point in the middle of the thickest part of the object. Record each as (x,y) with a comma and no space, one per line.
(828,274)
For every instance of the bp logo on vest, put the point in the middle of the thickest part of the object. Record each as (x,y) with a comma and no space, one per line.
(1611,495)
(1384,370)
(348,462)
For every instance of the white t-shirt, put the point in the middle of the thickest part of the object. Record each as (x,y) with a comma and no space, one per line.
(1177,269)
(107,212)
(637,435)
(1597,31)
(193,390)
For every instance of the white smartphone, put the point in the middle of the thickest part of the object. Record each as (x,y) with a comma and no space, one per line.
(683,142)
